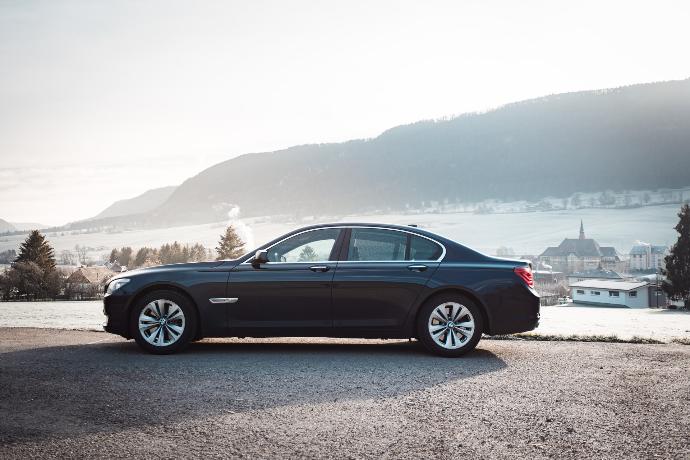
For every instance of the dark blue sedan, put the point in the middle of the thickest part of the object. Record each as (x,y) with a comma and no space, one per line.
(330,280)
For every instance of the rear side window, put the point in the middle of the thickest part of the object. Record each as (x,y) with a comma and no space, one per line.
(423,249)
(377,244)
(370,244)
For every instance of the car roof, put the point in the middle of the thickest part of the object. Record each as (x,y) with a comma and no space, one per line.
(454,250)
(406,228)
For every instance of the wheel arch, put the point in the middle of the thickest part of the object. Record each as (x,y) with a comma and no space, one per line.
(457,291)
(167,287)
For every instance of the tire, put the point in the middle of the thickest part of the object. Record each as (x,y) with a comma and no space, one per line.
(173,334)
(445,335)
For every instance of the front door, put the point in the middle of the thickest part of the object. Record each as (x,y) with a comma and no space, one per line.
(291,292)
(383,274)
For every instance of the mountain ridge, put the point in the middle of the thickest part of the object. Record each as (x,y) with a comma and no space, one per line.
(627,138)
(147,201)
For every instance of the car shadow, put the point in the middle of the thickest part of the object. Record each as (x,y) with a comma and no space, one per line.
(67,391)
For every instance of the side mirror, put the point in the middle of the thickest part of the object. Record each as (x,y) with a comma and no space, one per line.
(261,257)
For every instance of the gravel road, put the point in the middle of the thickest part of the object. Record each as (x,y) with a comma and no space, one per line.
(88,394)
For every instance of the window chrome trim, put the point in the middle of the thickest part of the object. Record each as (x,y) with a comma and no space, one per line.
(345,227)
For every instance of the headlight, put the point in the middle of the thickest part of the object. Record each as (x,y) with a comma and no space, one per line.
(115,285)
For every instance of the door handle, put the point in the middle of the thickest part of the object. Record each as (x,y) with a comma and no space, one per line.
(320,268)
(417,268)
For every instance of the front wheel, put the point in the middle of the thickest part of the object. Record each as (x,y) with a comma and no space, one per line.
(449,325)
(163,322)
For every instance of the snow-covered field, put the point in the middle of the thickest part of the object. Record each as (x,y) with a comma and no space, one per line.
(663,325)
(624,323)
(526,233)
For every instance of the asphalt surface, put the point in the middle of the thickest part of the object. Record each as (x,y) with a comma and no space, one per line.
(88,394)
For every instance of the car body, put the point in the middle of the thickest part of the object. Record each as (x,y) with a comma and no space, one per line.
(332,280)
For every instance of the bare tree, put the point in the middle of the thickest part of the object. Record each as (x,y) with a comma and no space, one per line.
(66,257)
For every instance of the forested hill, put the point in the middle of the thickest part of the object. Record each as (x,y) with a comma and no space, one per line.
(635,137)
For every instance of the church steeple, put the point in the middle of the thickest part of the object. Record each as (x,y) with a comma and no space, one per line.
(582,230)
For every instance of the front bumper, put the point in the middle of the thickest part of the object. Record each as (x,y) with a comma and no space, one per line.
(115,310)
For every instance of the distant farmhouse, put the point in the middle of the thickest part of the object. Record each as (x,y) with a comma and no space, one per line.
(580,254)
(87,282)
(646,257)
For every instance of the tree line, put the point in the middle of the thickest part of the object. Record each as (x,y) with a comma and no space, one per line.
(174,253)
(230,246)
(33,273)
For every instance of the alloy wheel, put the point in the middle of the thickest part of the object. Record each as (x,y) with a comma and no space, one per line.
(161,322)
(451,325)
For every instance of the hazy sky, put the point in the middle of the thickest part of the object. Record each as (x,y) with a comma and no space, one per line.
(102,100)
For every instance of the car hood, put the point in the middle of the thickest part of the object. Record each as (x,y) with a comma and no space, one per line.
(191,266)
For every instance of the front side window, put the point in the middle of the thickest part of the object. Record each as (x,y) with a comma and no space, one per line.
(633,293)
(312,246)
(580,291)
(373,244)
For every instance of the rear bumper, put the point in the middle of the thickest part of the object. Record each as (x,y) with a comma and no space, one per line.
(518,312)
(115,309)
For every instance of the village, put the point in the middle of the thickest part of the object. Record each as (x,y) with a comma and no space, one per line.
(578,271)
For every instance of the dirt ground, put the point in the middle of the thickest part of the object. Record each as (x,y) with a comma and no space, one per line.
(89,394)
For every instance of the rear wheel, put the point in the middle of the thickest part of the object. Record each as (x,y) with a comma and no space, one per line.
(163,322)
(449,325)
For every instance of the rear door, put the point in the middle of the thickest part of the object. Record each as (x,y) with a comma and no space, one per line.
(381,276)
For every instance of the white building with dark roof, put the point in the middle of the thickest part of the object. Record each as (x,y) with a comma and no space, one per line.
(579,254)
(597,273)
(612,293)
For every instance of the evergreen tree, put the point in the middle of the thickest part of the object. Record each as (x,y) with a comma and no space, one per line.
(27,278)
(677,271)
(230,245)
(197,253)
(53,283)
(142,255)
(176,255)
(6,285)
(37,250)
(124,258)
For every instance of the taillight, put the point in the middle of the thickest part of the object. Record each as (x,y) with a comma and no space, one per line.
(526,274)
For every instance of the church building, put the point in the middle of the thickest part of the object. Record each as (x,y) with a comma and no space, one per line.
(579,254)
